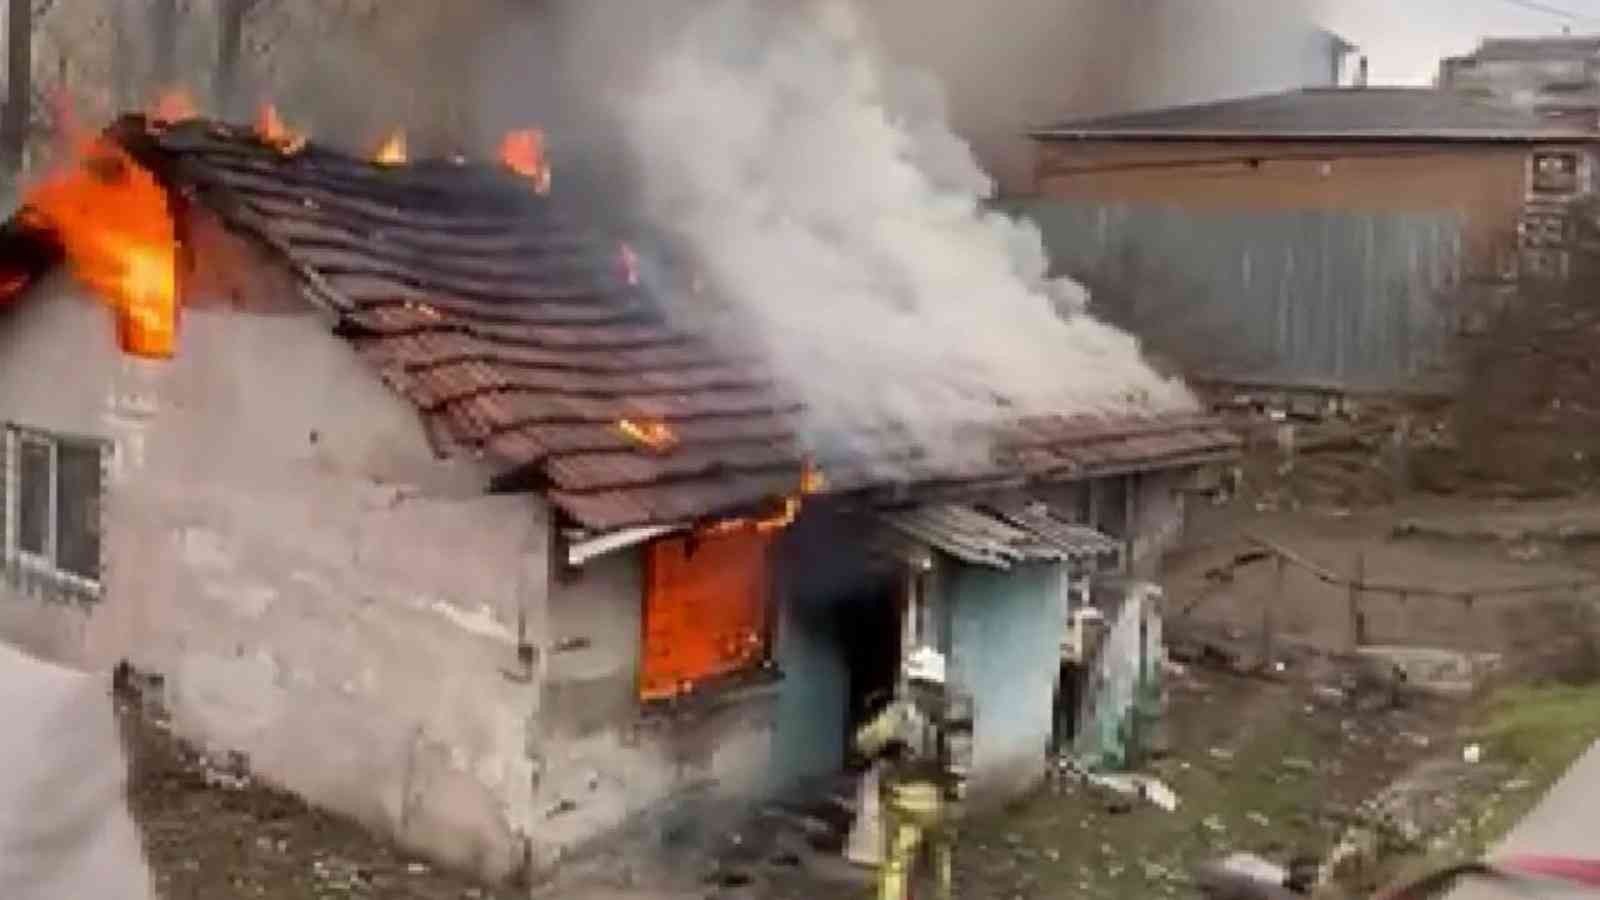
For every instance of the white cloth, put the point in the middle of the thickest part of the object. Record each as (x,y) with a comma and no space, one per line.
(65,829)
(865,845)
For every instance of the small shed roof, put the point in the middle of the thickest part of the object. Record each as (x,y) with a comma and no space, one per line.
(1330,114)
(983,536)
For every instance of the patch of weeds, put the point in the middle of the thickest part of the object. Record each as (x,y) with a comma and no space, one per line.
(1541,730)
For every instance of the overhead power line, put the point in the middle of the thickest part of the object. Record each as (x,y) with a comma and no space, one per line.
(1549,10)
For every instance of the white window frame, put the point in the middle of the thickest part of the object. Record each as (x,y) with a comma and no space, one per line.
(44,567)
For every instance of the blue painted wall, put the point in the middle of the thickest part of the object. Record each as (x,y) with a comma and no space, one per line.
(1006,629)
(1324,297)
(824,574)
(809,738)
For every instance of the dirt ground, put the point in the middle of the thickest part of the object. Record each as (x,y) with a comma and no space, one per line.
(211,833)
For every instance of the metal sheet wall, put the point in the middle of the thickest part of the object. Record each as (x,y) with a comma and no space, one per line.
(1348,299)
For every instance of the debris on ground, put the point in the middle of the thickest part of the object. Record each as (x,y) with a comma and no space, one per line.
(1436,670)
(1141,787)
(1244,876)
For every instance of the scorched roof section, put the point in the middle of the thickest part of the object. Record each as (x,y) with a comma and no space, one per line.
(523,336)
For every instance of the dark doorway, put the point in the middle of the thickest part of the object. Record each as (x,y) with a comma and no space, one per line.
(1068,706)
(870,633)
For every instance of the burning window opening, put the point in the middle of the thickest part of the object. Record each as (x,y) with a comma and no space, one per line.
(706,612)
(275,134)
(657,436)
(523,152)
(393,152)
(111,218)
(173,106)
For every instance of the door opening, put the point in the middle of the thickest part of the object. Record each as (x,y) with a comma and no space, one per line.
(871,634)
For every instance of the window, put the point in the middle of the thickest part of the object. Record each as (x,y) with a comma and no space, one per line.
(50,506)
(1555,173)
(706,612)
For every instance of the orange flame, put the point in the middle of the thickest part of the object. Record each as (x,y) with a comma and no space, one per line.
(275,134)
(112,219)
(788,511)
(393,152)
(657,436)
(630,265)
(523,153)
(172,106)
(811,482)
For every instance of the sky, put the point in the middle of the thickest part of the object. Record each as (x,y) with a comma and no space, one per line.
(1405,39)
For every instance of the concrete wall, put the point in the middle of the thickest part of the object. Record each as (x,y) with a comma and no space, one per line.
(615,768)
(1158,513)
(281,544)
(1006,629)
(1123,675)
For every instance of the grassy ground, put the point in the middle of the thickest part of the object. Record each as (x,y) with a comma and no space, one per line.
(1529,735)
(1261,768)
(1541,730)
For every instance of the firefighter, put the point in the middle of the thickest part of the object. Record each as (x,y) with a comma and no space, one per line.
(922,743)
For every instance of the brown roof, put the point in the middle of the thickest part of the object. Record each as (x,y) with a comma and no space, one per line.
(1330,114)
(517,334)
(1550,47)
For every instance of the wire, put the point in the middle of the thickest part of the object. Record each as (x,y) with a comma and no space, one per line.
(1552,11)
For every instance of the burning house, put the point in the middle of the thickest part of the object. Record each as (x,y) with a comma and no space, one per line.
(403,487)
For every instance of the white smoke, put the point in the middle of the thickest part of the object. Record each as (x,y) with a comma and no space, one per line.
(826,200)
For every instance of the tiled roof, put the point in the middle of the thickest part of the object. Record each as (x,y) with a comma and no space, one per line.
(1552,47)
(519,336)
(1417,114)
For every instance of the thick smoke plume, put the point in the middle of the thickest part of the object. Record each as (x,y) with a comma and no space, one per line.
(823,195)
(834,219)
(1007,66)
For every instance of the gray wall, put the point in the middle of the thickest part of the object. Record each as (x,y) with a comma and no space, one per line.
(1158,512)
(609,762)
(281,544)
(827,574)
(1316,297)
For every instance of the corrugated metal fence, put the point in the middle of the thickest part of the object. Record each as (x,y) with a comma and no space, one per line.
(1348,299)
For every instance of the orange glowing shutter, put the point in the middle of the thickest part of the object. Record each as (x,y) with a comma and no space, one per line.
(705,610)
